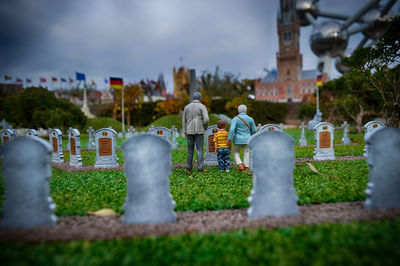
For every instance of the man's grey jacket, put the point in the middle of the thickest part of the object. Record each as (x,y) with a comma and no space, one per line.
(194,118)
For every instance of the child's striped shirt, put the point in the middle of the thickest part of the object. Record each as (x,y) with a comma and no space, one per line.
(221,138)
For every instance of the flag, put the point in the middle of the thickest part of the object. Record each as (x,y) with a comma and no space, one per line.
(7,77)
(42,80)
(71,80)
(80,76)
(116,83)
(54,79)
(93,83)
(63,80)
(319,80)
(19,80)
(28,81)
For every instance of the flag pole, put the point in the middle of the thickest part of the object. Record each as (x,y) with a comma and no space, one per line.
(123,110)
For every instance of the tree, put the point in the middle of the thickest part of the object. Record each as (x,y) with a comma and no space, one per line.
(379,65)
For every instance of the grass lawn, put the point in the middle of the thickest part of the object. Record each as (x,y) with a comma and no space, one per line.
(357,243)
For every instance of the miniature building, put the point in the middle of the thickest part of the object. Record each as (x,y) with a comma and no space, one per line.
(289,83)
(181,82)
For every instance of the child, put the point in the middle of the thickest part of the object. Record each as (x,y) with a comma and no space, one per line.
(222,147)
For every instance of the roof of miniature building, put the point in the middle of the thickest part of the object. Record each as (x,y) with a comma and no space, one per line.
(270,77)
(309,74)
(273,76)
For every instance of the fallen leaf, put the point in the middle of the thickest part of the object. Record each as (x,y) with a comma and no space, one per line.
(102,212)
(312,168)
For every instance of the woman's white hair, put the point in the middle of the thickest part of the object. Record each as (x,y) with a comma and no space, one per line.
(242,108)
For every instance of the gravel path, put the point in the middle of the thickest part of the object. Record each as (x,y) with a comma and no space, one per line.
(66,167)
(110,227)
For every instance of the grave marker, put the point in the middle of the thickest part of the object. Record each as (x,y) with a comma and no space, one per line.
(270,127)
(57,155)
(210,157)
(345,139)
(273,191)
(384,169)
(370,127)
(175,134)
(303,140)
(131,132)
(162,132)
(323,134)
(91,143)
(105,148)
(259,125)
(147,161)
(75,158)
(31,133)
(26,173)
(7,135)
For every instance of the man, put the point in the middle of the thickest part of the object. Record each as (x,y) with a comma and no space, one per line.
(242,127)
(194,123)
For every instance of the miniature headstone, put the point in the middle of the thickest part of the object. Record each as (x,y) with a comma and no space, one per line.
(270,127)
(31,133)
(57,155)
(5,125)
(75,158)
(91,144)
(49,133)
(384,169)
(303,140)
(181,133)
(131,131)
(175,134)
(273,191)
(105,148)
(162,132)
(7,135)
(147,163)
(281,126)
(210,157)
(370,127)
(26,173)
(41,132)
(345,139)
(151,129)
(259,125)
(323,135)
(120,135)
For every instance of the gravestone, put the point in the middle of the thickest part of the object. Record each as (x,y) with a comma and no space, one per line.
(181,133)
(345,139)
(31,133)
(210,157)
(259,126)
(131,132)
(303,140)
(175,134)
(120,135)
(270,127)
(150,129)
(74,137)
(105,148)
(273,191)
(7,135)
(383,189)
(91,143)
(49,133)
(26,173)
(162,132)
(323,135)
(281,126)
(5,125)
(57,155)
(371,127)
(147,163)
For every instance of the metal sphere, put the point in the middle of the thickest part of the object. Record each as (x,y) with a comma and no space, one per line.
(303,7)
(327,38)
(378,24)
(343,69)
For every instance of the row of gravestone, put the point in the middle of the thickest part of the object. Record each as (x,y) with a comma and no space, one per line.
(26,171)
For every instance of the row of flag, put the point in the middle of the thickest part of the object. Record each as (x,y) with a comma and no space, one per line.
(115,82)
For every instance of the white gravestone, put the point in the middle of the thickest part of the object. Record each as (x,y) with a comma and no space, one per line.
(74,137)
(259,126)
(345,139)
(105,148)
(181,133)
(147,163)
(370,127)
(323,135)
(150,129)
(26,173)
(31,133)
(91,143)
(210,157)
(131,132)
(57,155)
(303,140)
(162,132)
(281,126)
(175,134)
(7,135)
(383,189)
(273,191)
(270,127)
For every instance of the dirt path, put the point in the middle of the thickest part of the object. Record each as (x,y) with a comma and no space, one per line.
(107,228)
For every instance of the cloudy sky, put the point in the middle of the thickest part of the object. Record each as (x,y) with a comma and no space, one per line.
(138,39)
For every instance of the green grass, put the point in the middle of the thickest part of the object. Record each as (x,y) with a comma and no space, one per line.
(103,122)
(356,243)
(338,135)
(169,120)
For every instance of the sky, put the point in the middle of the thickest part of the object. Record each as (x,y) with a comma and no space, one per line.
(139,39)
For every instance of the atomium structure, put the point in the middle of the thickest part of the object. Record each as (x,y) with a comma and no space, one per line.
(330,37)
